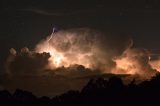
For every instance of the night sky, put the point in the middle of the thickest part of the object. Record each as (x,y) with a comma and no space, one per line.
(23,23)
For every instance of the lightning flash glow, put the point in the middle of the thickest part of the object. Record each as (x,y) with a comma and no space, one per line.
(93,51)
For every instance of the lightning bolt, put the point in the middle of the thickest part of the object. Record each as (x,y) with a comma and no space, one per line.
(51,35)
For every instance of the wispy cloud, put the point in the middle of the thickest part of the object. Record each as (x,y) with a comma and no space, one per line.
(44,12)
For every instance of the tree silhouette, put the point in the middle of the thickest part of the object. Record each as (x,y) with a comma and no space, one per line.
(97,92)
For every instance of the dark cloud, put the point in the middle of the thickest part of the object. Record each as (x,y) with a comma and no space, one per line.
(26,62)
(71,72)
(51,82)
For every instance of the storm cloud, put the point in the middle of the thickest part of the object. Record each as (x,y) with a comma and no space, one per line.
(84,46)
(26,62)
(68,58)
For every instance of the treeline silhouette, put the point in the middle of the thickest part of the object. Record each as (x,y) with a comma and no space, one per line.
(98,92)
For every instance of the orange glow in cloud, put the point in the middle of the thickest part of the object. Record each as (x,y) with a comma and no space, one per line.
(63,58)
(56,58)
(155,64)
(125,66)
(69,48)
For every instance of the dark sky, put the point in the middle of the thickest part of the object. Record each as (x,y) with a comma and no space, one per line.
(26,22)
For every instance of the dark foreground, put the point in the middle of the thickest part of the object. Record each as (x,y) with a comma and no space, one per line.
(97,92)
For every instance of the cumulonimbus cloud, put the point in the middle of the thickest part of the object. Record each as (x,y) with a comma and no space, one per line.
(66,58)
(85,47)
(105,52)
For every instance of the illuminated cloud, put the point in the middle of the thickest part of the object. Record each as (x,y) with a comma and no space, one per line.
(155,64)
(82,51)
(85,47)
(108,53)
(68,58)
(134,61)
